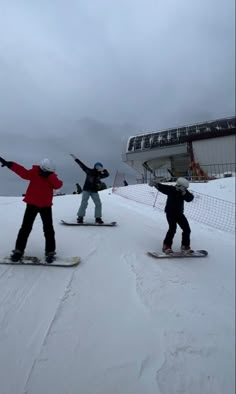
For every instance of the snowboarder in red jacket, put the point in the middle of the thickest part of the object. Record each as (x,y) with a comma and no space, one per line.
(38,197)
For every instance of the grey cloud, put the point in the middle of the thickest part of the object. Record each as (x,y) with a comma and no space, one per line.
(90,140)
(151,64)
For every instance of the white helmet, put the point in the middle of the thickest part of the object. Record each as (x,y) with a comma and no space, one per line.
(47,165)
(182,182)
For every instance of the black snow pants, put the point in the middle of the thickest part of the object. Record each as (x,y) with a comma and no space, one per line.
(173,220)
(27,225)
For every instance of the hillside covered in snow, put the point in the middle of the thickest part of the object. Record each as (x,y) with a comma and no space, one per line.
(120,322)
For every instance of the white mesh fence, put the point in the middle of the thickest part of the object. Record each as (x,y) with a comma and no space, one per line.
(205,209)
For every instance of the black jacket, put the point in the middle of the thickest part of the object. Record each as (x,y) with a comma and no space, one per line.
(175,198)
(93,179)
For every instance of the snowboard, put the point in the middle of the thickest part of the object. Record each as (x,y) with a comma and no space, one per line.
(196,253)
(33,260)
(111,224)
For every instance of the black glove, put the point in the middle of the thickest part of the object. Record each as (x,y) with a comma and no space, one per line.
(44,174)
(153,182)
(5,163)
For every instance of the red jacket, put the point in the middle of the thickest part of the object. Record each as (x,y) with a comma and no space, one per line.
(40,189)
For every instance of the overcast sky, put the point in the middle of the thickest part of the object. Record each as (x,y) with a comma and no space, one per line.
(82,76)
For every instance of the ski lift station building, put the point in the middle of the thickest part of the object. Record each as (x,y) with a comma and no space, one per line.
(208,148)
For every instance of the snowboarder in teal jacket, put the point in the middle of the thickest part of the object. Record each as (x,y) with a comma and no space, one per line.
(91,187)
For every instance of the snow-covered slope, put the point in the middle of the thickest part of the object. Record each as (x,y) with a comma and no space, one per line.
(121,322)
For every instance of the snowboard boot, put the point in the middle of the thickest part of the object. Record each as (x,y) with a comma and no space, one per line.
(167,249)
(186,249)
(50,257)
(16,255)
(80,219)
(99,221)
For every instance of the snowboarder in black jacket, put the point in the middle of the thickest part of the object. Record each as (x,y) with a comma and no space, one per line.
(174,209)
(91,187)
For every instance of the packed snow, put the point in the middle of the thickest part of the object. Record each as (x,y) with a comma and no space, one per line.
(121,322)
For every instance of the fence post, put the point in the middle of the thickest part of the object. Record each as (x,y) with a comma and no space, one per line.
(114,183)
(155,199)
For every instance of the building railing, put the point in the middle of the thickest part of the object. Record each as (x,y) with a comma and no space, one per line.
(199,173)
(181,135)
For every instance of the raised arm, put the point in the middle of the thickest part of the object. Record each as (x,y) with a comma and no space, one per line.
(165,189)
(81,164)
(21,171)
